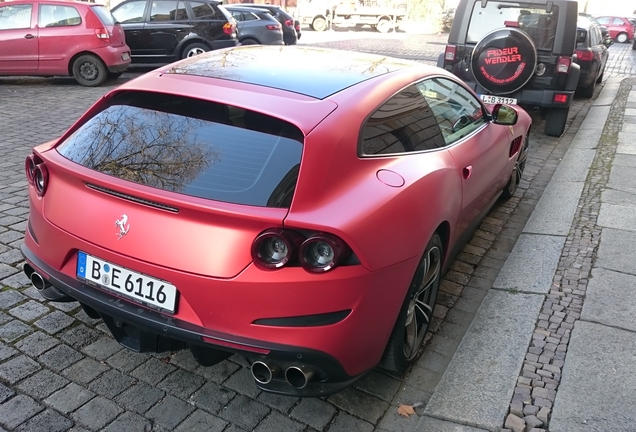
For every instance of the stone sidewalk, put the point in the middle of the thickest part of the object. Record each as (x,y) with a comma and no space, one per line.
(552,346)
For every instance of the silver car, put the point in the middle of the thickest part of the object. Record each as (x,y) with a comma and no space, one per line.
(256,26)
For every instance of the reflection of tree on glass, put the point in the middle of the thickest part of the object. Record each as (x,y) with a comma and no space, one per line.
(148,147)
(191,146)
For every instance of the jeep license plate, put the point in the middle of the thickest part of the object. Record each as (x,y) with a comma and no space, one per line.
(490,99)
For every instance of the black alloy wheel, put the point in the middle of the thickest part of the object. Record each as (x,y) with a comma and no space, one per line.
(417,310)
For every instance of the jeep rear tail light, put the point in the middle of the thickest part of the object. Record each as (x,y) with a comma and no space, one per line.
(102,33)
(585,54)
(289,23)
(560,98)
(563,65)
(449,53)
(273,27)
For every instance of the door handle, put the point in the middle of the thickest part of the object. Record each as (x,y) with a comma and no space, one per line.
(29,36)
(466,172)
(135,33)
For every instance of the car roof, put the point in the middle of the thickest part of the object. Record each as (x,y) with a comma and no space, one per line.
(316,72)
(54,2)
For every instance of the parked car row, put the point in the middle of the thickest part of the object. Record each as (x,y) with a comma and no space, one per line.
(92,44)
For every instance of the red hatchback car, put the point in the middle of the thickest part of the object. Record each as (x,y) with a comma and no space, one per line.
(620,28)
(300,217)
(49,38)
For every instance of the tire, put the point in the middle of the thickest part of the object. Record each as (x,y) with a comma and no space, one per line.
(634,44)
(555,121)
(588,92)
(417,310)
(600,77)
(319,24)
(383,26)
(194,49)
(517,172)
(250,41)
(622,38)
(89,71)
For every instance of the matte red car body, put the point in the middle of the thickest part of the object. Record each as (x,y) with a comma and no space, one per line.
(385,208)
(50,51)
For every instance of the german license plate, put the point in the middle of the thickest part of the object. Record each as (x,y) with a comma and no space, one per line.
(125,56)
(490,99)
(128,283)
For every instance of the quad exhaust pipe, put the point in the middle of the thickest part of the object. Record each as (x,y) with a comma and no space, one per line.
(297,376)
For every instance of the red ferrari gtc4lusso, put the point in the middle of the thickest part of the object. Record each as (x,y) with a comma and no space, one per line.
(294,205)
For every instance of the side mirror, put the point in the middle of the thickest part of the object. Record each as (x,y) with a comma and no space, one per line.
(504,115)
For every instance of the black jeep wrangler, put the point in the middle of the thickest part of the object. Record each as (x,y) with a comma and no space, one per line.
(517,53)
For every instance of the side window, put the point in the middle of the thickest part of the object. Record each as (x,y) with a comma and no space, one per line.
(456,110)
(403,124)
(237,15)
(58,16)
(249,16)
(15,16)
(617,22)
(206,11)
(167,10)
(130,12)
(603,20)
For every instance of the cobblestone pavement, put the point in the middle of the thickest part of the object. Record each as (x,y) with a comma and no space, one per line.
(61,370)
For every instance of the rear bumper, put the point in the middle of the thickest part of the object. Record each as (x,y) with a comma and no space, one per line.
(113,58)
(144,330)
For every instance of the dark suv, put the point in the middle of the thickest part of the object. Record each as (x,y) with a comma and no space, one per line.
(517,53)
(163,31)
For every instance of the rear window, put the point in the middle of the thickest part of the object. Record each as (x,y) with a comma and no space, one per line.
(193,147)
(534,19)
(104,15)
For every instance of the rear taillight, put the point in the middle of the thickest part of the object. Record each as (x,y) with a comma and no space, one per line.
(563,64)
(449,52)
(297,27)
(322,252)
(36,173)
(274,248)
(560,98)
(40,179)
(585,54)
(277,248)
(229,28)
(289,23)
(102,33)
(29,167)
(273,27)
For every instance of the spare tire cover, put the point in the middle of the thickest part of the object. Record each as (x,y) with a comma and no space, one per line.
(504,60)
